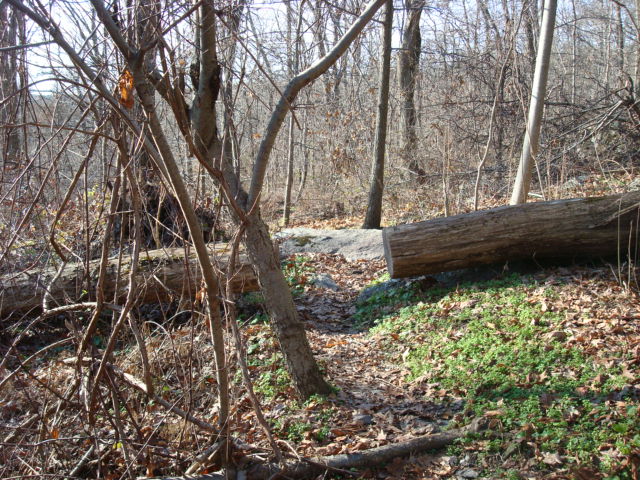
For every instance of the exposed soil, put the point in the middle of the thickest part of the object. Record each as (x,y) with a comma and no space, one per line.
(375,404)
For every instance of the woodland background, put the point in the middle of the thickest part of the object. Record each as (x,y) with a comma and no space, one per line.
(98,103)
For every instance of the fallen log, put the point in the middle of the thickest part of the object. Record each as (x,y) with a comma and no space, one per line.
(310,468)
(162,275)
(580,227)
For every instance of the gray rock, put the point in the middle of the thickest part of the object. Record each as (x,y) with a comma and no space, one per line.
(362,419)
(324,280)
(353,244)
(452,461)
(467,473)
(468,461)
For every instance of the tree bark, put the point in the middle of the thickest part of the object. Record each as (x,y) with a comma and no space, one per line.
(573,228)
(289,330)
(374,205)
(161,275)
(286,215)
(536,107)
(293,53)
(408,62)
(9,107)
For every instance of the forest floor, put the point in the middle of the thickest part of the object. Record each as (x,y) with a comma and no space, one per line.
(551,357)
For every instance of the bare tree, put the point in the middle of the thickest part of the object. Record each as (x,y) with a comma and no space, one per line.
(536,108)
(11,35)
(197,122)
(408,65)
(374,207)
(293,54)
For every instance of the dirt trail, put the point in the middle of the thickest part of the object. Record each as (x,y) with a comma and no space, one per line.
(373,390)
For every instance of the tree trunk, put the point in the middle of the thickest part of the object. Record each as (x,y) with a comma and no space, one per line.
(162,275)
(9,107)
(374,206)
(408,62)
(536,107)
(290,332)
(289,184)
(292,68)
(637,67)
(559,229)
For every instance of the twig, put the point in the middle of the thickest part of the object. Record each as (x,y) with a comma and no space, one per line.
(205,458)
(140,386)
(230,309)
(82,462)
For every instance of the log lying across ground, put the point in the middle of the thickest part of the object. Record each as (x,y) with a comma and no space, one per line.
(304,468)
(581,227)
(162,275)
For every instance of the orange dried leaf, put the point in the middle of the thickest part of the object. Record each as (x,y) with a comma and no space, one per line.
(201,295)
(125,84)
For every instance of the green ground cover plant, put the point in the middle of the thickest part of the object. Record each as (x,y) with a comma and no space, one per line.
(499,347)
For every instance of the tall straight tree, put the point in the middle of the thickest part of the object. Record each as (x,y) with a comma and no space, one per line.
(408,63)
(10,26)
(376,189)
(536,107)
(293,60)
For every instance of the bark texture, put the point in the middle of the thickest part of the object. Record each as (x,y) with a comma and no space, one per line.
(10,105)
(161,275)
(408,63)
(289,330)
(374,206)
(558,229)
(536,107)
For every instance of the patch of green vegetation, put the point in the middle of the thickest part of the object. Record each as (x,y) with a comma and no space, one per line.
(297,271)
(296,431)
(316,423)
(255,299)
(495,345)
(259,318)
(385,277)
(274,381)
(376,308)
